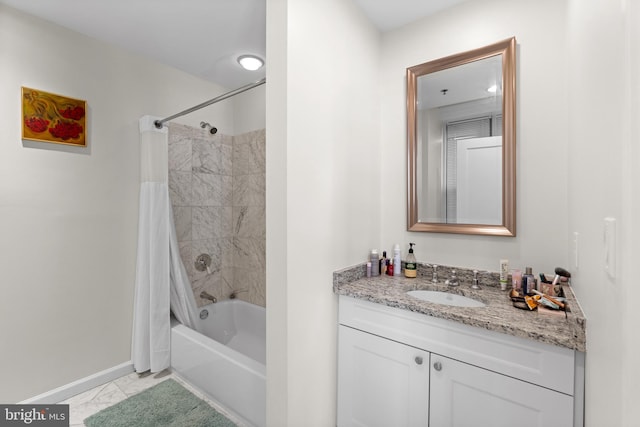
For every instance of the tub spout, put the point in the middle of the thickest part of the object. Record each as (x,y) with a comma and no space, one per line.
(207,295)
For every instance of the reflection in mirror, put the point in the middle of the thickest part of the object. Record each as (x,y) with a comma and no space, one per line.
(461,137)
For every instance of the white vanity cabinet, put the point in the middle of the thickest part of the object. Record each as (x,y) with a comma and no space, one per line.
(400,368)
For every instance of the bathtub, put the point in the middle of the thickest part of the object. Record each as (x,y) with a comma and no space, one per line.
(228,362)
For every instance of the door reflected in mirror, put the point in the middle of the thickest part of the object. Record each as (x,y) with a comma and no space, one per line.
(461,142)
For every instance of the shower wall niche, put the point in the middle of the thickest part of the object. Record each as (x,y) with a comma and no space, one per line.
(217,190)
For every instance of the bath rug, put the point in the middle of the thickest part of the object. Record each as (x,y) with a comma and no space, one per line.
(167,404)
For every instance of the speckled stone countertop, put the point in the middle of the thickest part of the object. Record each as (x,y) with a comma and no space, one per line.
(498,315)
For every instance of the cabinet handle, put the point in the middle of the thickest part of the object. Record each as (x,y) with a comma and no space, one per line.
(418,360)
(437,366)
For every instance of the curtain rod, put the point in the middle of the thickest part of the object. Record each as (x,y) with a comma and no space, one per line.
(158,123)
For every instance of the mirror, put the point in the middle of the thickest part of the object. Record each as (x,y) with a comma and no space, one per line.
(461,140)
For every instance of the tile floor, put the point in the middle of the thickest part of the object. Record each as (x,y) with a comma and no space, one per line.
(93,401)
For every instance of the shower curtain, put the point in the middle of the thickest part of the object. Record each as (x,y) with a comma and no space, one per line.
(161,284)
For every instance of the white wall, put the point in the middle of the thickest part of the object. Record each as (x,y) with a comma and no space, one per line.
(323,192)
(277,275)
(249,110)
(68,216)
(603,54)
(541,130)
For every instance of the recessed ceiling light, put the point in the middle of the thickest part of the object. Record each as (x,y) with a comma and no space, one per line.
(250,62)
(492,89)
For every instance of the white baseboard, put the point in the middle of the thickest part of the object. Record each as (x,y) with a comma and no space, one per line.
(80,386)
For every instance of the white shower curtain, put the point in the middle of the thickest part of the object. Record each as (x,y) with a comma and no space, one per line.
(161,280)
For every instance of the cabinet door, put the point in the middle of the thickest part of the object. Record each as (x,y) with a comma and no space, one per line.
(463,395)
(381,382)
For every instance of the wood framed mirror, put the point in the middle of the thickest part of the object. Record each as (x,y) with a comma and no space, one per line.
(461,137)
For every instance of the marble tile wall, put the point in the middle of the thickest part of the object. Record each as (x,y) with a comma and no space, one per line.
(217,189)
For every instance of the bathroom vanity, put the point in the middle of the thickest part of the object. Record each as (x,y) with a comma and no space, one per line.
(407,362)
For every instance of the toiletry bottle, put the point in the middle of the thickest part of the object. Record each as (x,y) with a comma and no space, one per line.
(410,268)
(383,263)
(516,279)
(528,281)
(390,267)
(504,273)
(368,268)
(397,261)
(375,262)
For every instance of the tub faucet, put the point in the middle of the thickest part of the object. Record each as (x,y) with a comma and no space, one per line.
(454,281)
(207,295)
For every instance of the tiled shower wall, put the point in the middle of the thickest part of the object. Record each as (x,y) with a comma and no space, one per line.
(217,189)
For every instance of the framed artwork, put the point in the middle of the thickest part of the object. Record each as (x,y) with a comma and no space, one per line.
(47,117)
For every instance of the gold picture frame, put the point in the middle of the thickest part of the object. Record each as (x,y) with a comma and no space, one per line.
(48,117)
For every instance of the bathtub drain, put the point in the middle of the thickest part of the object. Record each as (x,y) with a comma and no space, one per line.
(204,314)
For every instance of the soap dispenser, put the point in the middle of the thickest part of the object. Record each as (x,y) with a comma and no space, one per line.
(410,269)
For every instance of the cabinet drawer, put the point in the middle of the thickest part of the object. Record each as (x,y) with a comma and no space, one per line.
(538,363)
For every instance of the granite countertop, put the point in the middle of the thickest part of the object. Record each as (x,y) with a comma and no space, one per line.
(499,314)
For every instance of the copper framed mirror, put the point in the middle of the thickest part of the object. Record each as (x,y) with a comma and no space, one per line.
(461,137)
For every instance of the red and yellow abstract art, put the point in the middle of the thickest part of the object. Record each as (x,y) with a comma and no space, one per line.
(47,117)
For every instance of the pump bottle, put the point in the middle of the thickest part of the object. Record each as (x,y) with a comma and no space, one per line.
(410,269)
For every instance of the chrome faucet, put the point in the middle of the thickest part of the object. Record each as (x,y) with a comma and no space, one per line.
(207,295)
(434,273)
(454,281)
(475,285)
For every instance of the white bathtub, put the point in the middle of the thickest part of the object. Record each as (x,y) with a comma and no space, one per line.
(229,363)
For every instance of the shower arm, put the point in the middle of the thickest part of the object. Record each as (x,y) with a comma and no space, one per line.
(159,123)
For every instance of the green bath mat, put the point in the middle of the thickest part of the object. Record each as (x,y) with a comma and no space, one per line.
(165,404)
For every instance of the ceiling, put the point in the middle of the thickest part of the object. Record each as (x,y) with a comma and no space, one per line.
(201,37)
(390,14)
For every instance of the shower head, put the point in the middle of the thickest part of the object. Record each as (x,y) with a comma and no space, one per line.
(212,130)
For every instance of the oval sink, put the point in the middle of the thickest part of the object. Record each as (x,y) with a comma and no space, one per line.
(445,298)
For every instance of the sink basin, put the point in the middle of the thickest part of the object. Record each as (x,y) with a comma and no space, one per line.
(445,298)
